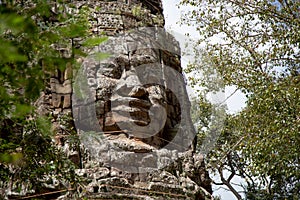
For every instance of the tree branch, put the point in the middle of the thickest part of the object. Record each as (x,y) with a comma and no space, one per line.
(231,167)
(230,187)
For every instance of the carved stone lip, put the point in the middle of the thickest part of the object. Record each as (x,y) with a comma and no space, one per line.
(128,109)
(139,118)
(132,102)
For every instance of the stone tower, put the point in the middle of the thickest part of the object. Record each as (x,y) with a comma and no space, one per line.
(186,177)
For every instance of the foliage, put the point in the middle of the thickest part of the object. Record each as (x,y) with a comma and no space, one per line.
(33,161)
(254,45)
(31,32)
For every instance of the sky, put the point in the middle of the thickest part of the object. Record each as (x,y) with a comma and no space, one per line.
(235,102)
(172,14)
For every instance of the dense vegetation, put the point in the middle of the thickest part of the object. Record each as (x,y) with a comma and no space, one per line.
(255,46)
(28,30)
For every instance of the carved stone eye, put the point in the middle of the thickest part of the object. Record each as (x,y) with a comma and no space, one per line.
(114,67)
(110,70)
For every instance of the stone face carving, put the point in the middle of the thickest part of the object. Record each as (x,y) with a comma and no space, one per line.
(145,146)
(134,86)
(134,95)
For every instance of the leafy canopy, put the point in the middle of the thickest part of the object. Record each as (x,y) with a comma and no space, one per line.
(30,34)
(255,46)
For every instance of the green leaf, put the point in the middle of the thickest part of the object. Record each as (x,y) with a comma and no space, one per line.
(73,31)
(10,53)
(95,41)
(44,125)
(100,56)
(5,158)
(21,110)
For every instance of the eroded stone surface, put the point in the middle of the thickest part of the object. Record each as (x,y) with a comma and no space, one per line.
(160,172)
